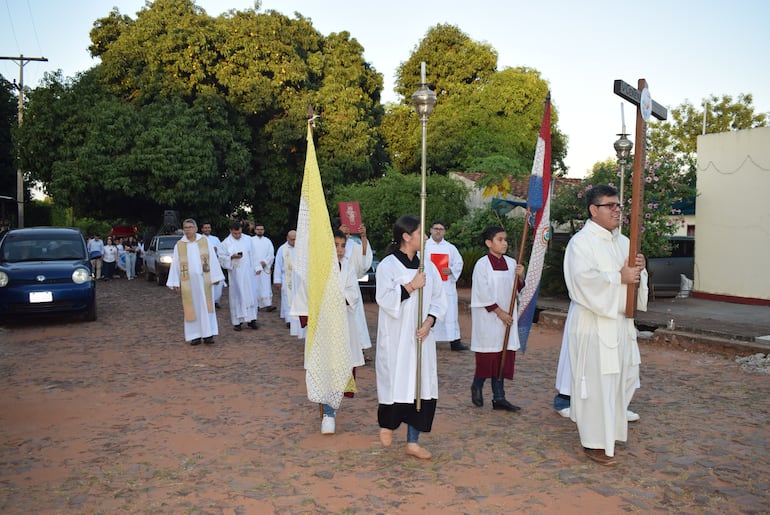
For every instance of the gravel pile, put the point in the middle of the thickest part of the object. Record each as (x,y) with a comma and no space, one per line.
(758,363)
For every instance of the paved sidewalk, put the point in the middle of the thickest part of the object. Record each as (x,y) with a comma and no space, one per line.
(699,324)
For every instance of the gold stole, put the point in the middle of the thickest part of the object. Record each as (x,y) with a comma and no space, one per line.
(184,273)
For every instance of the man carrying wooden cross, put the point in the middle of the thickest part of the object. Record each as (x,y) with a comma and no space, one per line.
(606,278)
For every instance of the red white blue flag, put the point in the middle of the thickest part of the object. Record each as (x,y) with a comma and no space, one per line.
(539,205)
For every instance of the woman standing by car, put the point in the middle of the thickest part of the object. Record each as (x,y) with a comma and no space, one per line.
(129,246)
(109,258)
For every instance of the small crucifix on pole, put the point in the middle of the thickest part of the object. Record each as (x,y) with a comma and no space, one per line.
(645,107)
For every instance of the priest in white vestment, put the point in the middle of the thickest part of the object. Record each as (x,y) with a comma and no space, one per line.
(217,243)
(194,270)
(237,257)
(283,276)
(603,351)
(398,327)
(264,254)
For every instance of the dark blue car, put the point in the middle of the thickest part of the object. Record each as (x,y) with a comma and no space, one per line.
(45,271)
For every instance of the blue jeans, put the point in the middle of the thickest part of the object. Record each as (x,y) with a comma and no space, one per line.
(412,434)
(561,401)
(329,411)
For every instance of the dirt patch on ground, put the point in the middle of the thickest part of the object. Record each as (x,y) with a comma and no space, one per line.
(122,416)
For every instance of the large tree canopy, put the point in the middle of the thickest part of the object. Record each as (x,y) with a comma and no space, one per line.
(204,115)
(484,119)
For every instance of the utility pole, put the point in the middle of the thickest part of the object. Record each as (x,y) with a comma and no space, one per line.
(19,173)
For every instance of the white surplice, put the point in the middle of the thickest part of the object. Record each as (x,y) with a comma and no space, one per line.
(205,323)
(263,252)
(492,287)
(360,262)
(283,274)
(449,329)
(217,243)
(242,278)
(396,361)
(603,352)
(352,294)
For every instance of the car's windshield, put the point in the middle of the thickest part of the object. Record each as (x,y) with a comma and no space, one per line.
(42,248)
(167,243)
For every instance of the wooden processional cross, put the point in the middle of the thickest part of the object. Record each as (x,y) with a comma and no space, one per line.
(645,106)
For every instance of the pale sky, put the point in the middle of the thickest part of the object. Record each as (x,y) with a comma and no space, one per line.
(687,50)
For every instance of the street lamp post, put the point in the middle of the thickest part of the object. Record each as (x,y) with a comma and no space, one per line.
(623,148)
(423,99)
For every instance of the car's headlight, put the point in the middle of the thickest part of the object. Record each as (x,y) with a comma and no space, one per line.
(3,279)
(81,275)
(166,259)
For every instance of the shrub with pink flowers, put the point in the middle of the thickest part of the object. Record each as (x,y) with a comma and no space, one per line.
(664,185)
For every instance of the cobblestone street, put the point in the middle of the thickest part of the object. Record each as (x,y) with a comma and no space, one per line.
(121,415)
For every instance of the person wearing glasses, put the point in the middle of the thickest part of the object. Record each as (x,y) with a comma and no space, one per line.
(603,351)
(450,265)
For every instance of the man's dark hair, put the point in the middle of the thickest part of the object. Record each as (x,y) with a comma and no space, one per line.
(594,194)
(437,222)
(236,225)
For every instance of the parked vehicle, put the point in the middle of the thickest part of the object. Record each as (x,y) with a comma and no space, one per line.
(665,271)
(368,282)
(158,257)
(46,271)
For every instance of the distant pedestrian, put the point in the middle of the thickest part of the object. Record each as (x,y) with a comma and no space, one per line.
(95,252)
(109,259)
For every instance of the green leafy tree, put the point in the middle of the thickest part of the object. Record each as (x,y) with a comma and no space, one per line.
(484,120)
(8,120)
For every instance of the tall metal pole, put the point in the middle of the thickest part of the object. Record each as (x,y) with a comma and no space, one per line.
(424,99)
(19,172)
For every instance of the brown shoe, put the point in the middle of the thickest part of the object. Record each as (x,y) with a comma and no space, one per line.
(412,449)
(600,457)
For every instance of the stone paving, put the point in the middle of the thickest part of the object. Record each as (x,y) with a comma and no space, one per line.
(121,416)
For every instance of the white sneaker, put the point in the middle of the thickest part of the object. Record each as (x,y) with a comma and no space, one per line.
(631,416)
(564,412)
(327,425)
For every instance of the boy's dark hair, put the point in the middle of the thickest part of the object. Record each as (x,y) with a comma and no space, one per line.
(489,232)
(339,234)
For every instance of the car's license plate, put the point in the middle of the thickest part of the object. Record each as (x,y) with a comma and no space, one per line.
(36,297)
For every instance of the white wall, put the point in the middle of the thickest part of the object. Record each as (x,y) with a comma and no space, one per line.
(732,242)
